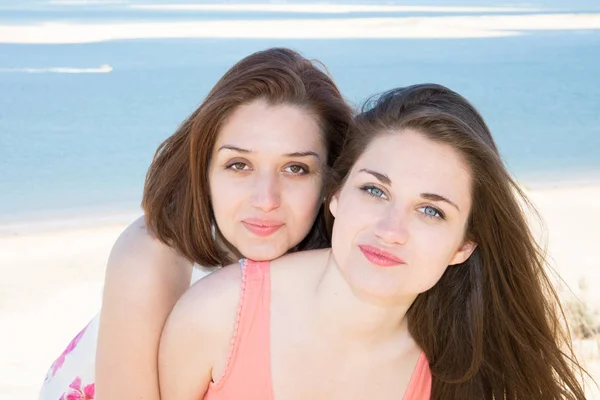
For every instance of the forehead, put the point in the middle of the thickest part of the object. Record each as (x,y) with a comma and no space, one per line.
(281,128)
(412,161)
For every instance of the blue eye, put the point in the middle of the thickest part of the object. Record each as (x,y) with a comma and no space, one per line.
(431,212)
(374,191)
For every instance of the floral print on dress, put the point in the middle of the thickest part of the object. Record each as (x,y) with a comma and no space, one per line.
(72,375)
(61,360)
(77,393)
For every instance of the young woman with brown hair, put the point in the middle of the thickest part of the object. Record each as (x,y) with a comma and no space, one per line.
(243,176)
(434,286)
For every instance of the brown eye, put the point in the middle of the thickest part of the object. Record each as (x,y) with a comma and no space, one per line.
(238,166)
(296,169)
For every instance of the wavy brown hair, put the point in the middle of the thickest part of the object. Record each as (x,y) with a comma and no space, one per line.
(492,327)
(176,202)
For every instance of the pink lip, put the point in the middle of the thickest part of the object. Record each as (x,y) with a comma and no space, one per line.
(380,257)
(261,227)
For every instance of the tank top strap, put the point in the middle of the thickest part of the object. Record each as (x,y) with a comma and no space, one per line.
(253,318)
(419,387)
(248,367)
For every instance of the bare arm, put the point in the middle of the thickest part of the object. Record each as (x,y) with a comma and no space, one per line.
(196,338)
(144,280)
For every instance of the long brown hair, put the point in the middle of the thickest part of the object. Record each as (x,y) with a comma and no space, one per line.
(491,327)
(176,199)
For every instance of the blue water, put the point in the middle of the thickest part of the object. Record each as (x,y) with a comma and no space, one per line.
(84,141)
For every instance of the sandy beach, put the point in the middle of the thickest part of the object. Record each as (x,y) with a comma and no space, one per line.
(52,287)
(448,27)
(53,283)
(53,271)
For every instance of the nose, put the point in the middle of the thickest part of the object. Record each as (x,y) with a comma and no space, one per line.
(393,226)
(266,193)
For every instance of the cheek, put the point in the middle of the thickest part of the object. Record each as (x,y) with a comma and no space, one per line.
(352,218)
(224,196)
(223,186)
(224,211)
(303,199)
(434,252)
(354,212)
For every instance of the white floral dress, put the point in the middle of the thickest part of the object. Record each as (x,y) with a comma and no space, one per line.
(71,376)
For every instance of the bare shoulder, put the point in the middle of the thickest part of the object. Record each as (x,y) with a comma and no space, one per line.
(138,254)
(144,280)
(138,241)
(197,336)
(213,300)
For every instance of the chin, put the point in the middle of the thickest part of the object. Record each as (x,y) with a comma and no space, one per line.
(381,290)
(266,254)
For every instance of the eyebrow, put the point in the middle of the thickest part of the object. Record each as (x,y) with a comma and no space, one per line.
(303,154)
(437,197)
(234,148)
(383,178)
(294,154)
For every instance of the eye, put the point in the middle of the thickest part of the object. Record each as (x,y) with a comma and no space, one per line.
(374,191)
(238,166)
(296,169)
(431,212)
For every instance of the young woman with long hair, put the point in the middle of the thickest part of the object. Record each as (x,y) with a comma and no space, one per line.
(243,176)
(434,287)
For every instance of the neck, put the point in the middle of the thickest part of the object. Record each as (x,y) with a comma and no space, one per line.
(353,316)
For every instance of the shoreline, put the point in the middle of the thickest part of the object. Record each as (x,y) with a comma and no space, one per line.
(77,218)
(64,221)
(447,27)
(24,222)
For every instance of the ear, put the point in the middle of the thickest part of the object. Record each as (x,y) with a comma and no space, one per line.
(463,253)
(333,204)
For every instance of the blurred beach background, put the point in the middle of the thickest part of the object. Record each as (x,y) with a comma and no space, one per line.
(89,89)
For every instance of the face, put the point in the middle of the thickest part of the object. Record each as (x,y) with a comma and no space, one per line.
(266,178)
(401,216)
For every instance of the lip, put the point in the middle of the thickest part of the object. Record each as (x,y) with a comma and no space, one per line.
(380,257)
(262,227)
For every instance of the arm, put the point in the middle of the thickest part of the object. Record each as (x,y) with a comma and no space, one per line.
(197,336)
(144,280)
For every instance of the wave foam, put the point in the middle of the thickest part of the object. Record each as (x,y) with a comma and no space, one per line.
(103,69)
(327,8)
